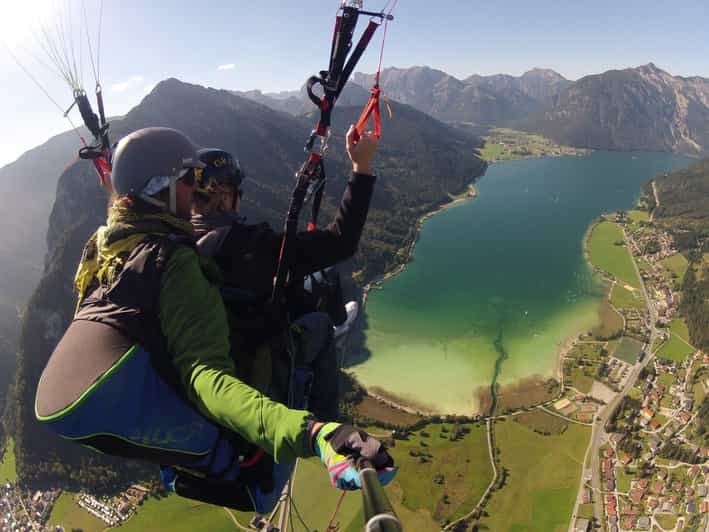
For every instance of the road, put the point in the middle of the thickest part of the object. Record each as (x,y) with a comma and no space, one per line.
(598,433)
(490,444)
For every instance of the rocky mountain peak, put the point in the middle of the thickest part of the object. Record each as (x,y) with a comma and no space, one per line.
(544,73)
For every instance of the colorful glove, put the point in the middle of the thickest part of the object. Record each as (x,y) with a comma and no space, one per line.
(340,446)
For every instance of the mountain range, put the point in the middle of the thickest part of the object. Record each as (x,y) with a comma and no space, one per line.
(643,108)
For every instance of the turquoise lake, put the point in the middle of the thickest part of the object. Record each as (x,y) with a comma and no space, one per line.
(503,270)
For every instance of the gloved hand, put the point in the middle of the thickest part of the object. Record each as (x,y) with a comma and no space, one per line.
(340,446)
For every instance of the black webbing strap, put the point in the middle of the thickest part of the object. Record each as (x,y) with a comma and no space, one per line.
(311,172)
(91,120)
(356,54)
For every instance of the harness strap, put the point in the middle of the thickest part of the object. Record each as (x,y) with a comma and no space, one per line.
(311,172)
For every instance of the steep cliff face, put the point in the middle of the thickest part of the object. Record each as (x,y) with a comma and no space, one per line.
(642,108)
(27,186)
(420,162)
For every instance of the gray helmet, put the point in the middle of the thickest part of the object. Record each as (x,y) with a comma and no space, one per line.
(151,159)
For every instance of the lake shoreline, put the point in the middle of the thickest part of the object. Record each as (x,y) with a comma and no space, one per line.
(470,194)
(526,383)
(579,198)
(399,403)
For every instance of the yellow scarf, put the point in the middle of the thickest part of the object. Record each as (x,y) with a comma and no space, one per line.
(110,246)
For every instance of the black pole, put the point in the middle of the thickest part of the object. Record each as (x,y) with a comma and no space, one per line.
(379,516)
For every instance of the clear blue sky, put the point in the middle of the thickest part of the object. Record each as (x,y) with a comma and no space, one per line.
(277,45)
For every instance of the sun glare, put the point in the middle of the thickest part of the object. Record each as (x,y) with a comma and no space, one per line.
(20,19)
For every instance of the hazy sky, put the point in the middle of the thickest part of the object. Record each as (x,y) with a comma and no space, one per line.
(276,45)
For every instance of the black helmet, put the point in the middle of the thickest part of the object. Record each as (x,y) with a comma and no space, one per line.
(150,160)
(221,168)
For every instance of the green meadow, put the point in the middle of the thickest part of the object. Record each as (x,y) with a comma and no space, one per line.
(544,475)
(8,471)
(628,350)
(676,264)
(621,297)
(675,349)
(443,477)
(607,251)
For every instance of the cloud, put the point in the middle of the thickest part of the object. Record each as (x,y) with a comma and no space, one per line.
(123,86)
(229,66)
(120,87)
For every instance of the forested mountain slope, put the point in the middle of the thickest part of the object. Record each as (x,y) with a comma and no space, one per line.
(683,206)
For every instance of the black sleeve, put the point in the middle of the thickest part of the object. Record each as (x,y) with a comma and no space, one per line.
(318,249)
(249,254)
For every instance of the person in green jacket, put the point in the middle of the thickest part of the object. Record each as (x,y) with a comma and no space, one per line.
(144,369)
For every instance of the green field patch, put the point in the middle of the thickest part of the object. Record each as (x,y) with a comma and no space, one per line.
(623,479)
(643,265)
(639,216)
(661,419)
(502,144)
(542,422)
(580,379)
(628,350)
(675,349)
(679,327)
(8,467)
(666,380)
(699,393)
(313,495)
(607,251)
(433,466)
(676,264)
(621,297)
(493,151)
(544,475)
(667,521)
(71,516)
(316,499)
(612,344)
(179,514)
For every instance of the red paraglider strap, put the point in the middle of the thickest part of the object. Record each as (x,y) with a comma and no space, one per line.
(371,107)
(251,461)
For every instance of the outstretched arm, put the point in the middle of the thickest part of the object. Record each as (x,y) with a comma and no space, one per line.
(193,320)
(320,248)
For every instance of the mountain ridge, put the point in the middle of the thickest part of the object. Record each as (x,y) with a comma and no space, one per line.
(636,108)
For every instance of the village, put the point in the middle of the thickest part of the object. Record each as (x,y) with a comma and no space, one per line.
(653,447)
(29,512)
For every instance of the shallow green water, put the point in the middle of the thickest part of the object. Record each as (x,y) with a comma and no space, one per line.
(508,264)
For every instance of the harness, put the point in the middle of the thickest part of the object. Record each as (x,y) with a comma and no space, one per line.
(130,305)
